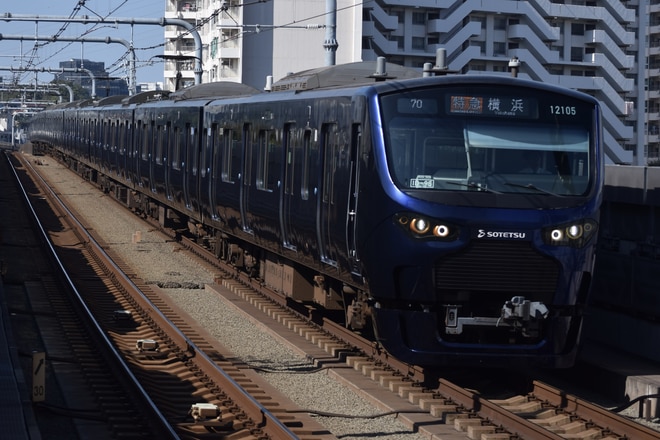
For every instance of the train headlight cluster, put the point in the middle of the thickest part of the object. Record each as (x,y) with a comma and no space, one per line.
(575,234)
(420,226)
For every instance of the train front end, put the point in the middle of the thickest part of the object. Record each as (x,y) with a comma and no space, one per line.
(480,244)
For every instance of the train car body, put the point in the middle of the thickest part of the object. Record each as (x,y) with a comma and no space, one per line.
(458,214)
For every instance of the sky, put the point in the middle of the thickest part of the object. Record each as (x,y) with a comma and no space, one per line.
(41,54)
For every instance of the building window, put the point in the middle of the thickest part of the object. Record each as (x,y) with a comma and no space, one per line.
(398,40)
(214,47)
(419,18)
(577,54)
(187,6)
(418,43)
(577,29)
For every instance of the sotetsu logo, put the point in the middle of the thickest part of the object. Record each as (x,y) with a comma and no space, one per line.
(501,234)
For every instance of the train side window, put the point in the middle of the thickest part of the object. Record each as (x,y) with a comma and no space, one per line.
(112,127)
(192,149)
(146,134)
(247,145)
(267,160)
(104,135)
(128,138)
(176,149)
(208,148)
(225,141)
(143,140)
(274,159)
(329,136)
(168,139)
(122,138)
(304,187)
(159,145)
(115,136)
(290,146)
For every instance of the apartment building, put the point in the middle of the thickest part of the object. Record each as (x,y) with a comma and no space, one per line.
(589,45)
(248,41)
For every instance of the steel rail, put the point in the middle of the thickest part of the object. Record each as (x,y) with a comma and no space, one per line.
(166,428)
(595,414)
(495,413)
(258,413)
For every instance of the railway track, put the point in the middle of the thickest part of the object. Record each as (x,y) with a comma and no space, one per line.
(182,378)
(97,400)
(543,413)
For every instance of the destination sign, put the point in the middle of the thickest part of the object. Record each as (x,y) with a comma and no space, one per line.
(484,105)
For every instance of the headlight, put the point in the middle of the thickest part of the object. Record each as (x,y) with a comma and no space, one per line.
(576,234)
(424,227)
(419,226)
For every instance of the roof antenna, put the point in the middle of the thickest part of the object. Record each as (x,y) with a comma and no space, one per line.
(381,70)
(440,67)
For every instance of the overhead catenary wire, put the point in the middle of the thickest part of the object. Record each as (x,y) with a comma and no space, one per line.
(121,61)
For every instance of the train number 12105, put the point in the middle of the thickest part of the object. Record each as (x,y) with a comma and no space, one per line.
(563,110)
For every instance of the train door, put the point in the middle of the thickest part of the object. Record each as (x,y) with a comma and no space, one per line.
(153,153)
(212,155)
(170,158)
(140,153)
(327,207)
(353,190)
(287,195)
(189,162)
(246,178)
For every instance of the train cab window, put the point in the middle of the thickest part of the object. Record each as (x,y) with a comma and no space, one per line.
(551,159)
(444,161)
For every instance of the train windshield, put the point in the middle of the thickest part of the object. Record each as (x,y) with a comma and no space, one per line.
(478,139)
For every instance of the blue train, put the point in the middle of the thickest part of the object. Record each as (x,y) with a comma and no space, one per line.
(456,215)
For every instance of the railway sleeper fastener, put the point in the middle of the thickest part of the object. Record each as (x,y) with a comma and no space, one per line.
(146,345)
(204,411)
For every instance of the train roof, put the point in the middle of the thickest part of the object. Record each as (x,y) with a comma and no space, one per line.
(148,96)
(361,72)
(219,89)
(109,100)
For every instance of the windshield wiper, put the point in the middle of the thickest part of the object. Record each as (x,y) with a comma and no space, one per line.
(533,187)
(472,185)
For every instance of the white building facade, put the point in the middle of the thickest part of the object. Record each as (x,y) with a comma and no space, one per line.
(589,45)
(246,42)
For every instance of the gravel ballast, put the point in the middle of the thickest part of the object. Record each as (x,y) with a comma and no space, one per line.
(157,261)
